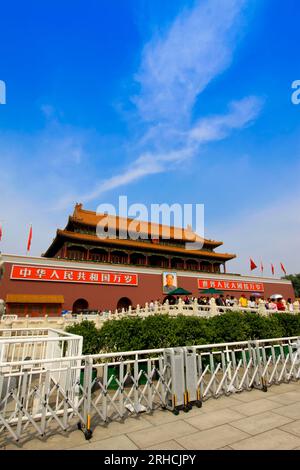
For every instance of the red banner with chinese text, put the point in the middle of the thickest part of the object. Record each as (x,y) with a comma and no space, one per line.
(41,273)
(231,285)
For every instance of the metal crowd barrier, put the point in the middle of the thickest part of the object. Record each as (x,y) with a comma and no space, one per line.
(39,397)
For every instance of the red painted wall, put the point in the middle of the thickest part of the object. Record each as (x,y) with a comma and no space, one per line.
(106,296)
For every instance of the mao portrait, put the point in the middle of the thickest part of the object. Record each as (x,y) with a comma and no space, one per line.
(169,282)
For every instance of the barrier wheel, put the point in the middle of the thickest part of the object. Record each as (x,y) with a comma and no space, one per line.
(79,426)
(186,409)
(199,404)
(88,434)
(176,412)
(264,388)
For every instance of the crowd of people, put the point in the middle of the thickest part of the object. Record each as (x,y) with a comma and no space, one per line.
(278,304)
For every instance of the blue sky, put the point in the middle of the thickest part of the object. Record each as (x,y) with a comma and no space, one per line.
(176,101)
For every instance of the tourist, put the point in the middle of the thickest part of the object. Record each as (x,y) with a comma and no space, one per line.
(273,306)
(280,305)
(151,305)
(228,301)
(220,302)
(243,302)
(252,303)
(290,305)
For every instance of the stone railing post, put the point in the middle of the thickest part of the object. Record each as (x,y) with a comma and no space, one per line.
(180,306)
(195,306)
(213,308)
(262,308)
(146,309)
(155,306)
(8,323)
(296,306)
(138,310)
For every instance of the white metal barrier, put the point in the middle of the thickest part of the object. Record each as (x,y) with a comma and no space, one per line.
(39,396)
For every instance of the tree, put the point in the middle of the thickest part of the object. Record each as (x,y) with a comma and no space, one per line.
(295,278)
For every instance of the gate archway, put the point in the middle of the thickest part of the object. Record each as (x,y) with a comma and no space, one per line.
(80,304)
(124,302)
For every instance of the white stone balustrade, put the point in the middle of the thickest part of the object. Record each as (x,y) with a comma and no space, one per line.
(192,309)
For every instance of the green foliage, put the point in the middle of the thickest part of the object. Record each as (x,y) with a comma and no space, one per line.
(295,278)
(162,331)
(290,324)
(229,327)
(91,339)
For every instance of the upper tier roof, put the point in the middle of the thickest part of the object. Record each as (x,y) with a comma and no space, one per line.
(158,231)
(93,219)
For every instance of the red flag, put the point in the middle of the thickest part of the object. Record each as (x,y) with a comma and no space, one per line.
(261,267)
(0,233)
(273,269)
(252,264)
(283,268)
(29,238)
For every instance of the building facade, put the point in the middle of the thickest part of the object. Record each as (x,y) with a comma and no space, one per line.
(82,271)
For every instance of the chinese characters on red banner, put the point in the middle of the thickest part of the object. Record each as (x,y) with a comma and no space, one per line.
(40,273)
(231,285)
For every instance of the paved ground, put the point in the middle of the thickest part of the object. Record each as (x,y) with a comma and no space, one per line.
(250,420)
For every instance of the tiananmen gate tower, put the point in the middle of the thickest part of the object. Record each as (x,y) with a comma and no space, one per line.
(80,271)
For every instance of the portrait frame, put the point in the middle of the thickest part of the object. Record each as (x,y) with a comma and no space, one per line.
(169,281)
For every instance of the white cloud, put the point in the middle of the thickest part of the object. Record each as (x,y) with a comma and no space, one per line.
(178,66)
(214,128)
(241,114)
(175,69)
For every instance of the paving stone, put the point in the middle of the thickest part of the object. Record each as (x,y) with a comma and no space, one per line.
(256,407)
(214,418)
(291,411)
(213,404)
(260,423)
(293,427)
(116,428)
(163,417)
(121,442)
(58,441)
(168,445)
(286,398)
(247,396)
(211,439)
(160,433)
(270,440)
(283,388)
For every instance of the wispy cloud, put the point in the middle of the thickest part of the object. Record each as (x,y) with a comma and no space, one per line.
(241,113)
(178,66)
(175,69)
